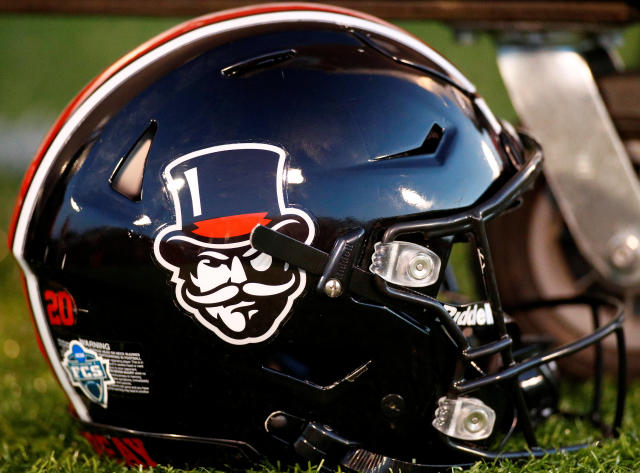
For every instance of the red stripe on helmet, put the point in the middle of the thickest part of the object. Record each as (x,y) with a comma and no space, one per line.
(229,227)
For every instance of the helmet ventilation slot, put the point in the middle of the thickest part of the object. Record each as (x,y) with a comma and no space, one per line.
(321,384)
(428,146)
(126,178)
(254,64)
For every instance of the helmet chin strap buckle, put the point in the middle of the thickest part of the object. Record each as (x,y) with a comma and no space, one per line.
(337,272)
(319,441)
(348,277)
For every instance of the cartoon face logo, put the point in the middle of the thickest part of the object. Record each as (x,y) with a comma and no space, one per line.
(220,195)
(88,371)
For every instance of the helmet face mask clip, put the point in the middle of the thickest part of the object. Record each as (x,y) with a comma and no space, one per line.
(247,225)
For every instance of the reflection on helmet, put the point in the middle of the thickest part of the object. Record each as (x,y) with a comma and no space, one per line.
(253,215)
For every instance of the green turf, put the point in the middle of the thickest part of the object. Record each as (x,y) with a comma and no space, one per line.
(45,60)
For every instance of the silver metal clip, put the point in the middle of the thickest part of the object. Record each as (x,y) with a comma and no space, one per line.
(464,418)
(406,264)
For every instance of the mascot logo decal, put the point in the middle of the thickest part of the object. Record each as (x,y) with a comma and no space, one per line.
(220,195)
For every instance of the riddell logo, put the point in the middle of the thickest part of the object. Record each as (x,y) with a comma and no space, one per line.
(471,315)
(220,195)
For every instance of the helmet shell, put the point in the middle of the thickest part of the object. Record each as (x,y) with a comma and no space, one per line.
(319,116)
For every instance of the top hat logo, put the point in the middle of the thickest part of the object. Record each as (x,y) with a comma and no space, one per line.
(220,195)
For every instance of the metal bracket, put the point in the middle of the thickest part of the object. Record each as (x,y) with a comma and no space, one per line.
(337,273)
(319,441)
(586,164)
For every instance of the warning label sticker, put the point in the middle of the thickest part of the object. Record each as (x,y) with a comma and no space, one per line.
(126,367)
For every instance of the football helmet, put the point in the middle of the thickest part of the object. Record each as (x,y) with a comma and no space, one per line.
(235,245)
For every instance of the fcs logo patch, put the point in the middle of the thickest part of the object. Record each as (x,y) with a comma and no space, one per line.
(88,371)
(220,194)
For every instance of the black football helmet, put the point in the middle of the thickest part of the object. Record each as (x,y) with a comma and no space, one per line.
(235,244)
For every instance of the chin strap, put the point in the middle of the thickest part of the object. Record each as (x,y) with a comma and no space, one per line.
(317,443)
(338,275)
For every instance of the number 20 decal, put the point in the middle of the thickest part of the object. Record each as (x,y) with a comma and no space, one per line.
(61,308)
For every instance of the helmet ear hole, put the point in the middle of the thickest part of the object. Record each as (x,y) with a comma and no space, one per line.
(126,178)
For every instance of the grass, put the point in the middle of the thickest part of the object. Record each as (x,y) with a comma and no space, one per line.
(46,59)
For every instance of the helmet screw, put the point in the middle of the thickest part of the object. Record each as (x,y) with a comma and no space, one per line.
(475,421)
(392,405)
(278,421)
(624,250)
(420,267)
(333,288)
